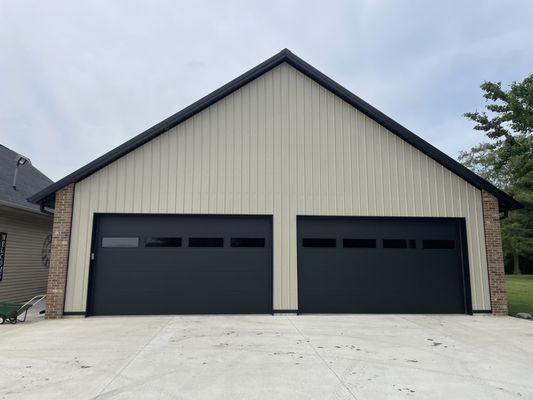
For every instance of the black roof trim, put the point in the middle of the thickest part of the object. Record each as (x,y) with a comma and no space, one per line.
(47,195)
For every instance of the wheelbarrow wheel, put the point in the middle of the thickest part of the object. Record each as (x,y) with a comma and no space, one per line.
(2,319)
(13,320)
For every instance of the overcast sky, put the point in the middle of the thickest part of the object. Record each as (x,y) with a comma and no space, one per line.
(79,78)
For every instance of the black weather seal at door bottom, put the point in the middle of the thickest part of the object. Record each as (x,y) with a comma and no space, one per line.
(82,313)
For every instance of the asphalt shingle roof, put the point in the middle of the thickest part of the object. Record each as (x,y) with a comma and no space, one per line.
(29,179)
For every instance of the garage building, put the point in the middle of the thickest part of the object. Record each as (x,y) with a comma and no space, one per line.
(279,192)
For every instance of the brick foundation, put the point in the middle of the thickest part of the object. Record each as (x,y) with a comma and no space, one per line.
(493,244)
(57,275)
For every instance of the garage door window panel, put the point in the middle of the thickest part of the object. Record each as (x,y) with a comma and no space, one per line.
(206,242)
(438,244)
(124,242)
(319,242)
(247,242)
(399,244)
(163,242)
(359,243)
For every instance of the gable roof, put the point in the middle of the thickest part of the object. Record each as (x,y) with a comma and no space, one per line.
(29,180)
(47,196)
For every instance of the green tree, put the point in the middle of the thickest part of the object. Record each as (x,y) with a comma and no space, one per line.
(506,158)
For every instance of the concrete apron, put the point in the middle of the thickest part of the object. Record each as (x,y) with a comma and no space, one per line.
(268,357)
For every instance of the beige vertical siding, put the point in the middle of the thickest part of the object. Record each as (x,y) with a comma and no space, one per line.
(285,146)
(24,273)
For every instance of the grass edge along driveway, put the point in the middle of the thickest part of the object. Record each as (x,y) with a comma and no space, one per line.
(520,293)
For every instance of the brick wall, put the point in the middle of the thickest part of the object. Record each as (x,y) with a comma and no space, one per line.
(57,275)
(493,243)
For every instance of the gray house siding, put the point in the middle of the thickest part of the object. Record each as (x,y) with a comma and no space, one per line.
(25,274)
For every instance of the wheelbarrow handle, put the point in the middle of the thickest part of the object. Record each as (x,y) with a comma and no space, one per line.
(32,302)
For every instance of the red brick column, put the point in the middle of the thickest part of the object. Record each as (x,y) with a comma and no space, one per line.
(493,244)
(57,275)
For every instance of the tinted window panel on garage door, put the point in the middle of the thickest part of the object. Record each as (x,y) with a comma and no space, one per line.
(120,242)
(247,242)
(319,242)
(399,244)
(438,244)
(413,269)
(206,242)
(359,243)
(182,267)
(163,242)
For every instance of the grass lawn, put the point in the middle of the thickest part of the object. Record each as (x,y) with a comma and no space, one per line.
(520,293)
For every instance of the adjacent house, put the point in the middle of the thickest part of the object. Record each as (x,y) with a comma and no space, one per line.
(279,192)
(25,230)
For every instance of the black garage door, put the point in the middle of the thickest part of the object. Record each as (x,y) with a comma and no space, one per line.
(170,264)
(382,265)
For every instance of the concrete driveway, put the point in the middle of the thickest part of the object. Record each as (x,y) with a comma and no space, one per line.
(269,357)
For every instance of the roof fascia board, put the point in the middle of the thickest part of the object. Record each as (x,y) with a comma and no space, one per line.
(22,208)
